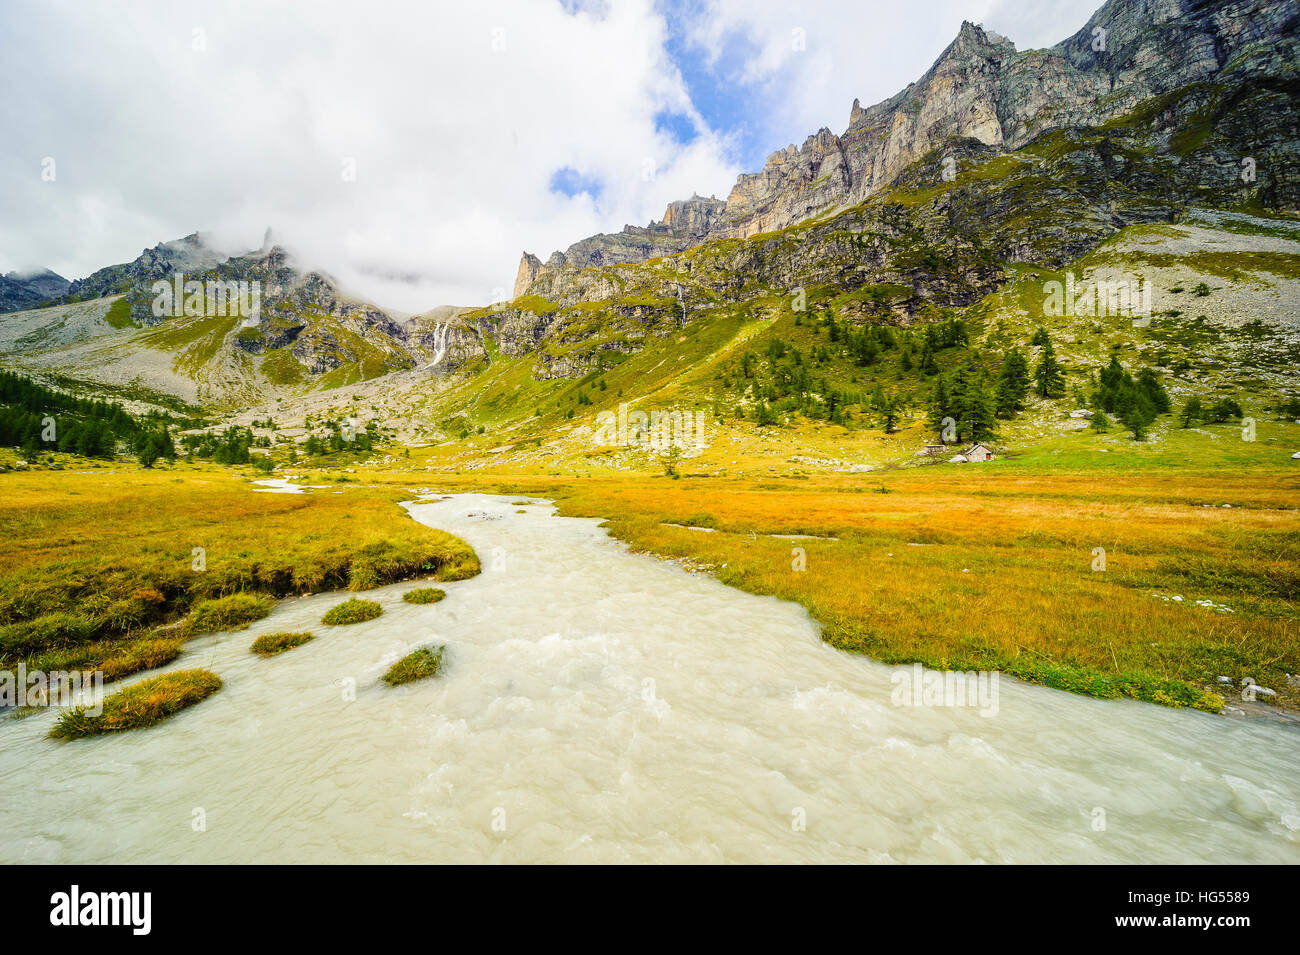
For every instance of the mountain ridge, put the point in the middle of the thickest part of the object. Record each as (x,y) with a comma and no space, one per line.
(980,87)
(994,191)
(27,288)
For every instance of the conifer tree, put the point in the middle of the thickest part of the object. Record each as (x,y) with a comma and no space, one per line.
(1013,384)
(1049,377)
(978,419)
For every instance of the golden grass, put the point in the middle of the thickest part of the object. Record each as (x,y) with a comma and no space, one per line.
(231,612)
(420,664)
(992,568)
(987,567)
(90,561)
(140,704)
(270,644)
(116,659)
(352,611)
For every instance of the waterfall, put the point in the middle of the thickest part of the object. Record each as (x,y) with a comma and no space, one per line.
(440,333)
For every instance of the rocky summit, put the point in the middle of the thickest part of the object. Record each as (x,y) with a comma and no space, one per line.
(1155,114)
(25,289)
(1195,66)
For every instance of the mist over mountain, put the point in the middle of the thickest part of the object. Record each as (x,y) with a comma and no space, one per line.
(25,289)
(993,157)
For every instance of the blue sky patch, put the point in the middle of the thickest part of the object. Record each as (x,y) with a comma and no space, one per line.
(676,125)
(713,84)
(569,182)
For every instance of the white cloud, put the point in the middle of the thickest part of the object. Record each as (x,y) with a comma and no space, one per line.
(168,117)
(456,116)
(843,51)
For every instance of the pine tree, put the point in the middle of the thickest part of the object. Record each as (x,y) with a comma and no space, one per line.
(978,421)
(928,365)
(940,406)
(1112,382)
(1151,387)
(1013,384)
(148,453)
(889,412)
(1049,376)
(1137,416)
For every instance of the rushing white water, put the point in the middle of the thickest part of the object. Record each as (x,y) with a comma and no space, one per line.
(603,706)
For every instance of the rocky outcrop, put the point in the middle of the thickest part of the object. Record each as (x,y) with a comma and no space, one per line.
(926,245)
(190,256)
(442,342)
(529,266)
(301,316)
(20,290)
(305,311)
(1130,54)
(686,223)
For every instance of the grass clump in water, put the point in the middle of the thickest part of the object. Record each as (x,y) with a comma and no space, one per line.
(116,659)
(234,612)
(353,611)
(139,705)
(419,664)
(424,595)
(118,568)
(268,645)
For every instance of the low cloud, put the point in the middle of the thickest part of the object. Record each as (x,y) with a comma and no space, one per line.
(407,149)
(412,150)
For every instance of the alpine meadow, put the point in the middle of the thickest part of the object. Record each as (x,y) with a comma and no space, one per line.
(925,492)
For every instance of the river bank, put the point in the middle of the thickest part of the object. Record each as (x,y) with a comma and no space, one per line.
(599,705)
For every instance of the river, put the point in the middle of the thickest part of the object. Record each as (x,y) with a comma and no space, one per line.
(601,706)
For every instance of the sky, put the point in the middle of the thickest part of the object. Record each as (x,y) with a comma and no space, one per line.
(413,150)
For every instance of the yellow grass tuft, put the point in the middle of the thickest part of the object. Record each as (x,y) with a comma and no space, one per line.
(140,704)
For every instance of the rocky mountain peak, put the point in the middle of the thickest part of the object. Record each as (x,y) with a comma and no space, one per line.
(979,88)
(23,289)
(695,215)
(529,266)
(973,39)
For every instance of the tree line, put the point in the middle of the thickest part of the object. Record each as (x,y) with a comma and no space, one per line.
(35,418)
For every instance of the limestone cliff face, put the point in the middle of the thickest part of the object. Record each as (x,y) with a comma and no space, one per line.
(794,184)
(686,223)
(529,266)
(1130,53)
